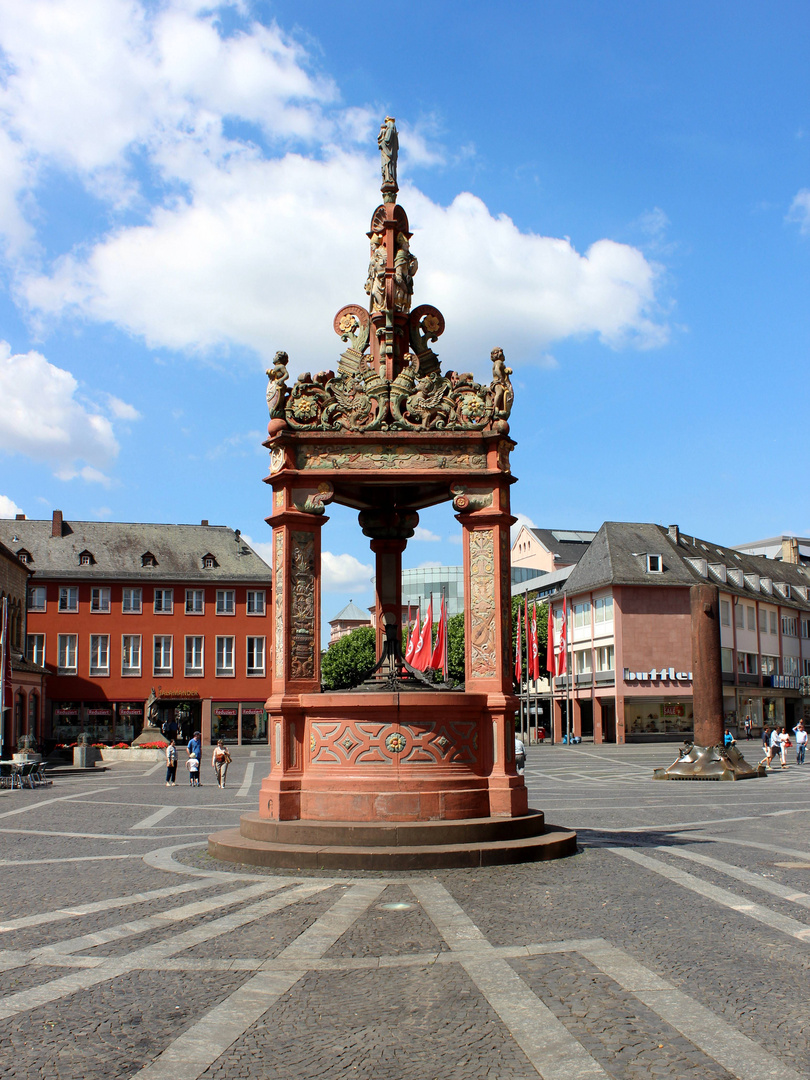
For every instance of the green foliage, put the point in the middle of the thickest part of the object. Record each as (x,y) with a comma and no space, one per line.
(349,661)
(455,647)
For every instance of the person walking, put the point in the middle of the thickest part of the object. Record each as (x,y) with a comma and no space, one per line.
(220,761)
(747,727)
(801,742)
(171,763)
(784,743)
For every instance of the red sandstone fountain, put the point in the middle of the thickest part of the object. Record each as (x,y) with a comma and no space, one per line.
(399,772)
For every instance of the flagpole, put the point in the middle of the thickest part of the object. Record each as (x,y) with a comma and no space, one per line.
(527,719)
(3,635)
(569,675)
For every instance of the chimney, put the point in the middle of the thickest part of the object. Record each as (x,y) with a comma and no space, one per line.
(56,527)
(204,521)
(674,534)
(790,550)
(20,517)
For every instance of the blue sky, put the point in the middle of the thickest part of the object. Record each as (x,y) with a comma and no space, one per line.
(617,194)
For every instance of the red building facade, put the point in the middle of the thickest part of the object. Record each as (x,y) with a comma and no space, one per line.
(115,610)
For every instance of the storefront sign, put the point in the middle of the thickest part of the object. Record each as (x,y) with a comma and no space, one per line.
(783,682)
(177,695)
(249,711)
(226,712)
(673,710)
(100,712)
(667,674)
(130,710)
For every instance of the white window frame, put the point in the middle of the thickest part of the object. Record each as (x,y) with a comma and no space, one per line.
(790,665)
(582,614)
(603,609)
(774,620)
(195,601)
(790,626)
(769,664)
(37,598)
(132,600)
(70,595)
(725,613)
(166,605)
(32,650)
(605,655)
(225,652)
(100,599)
(226,601)
(162,668)
(67,650)
(192,671)
(655,564)
(100,656)
(727,660)
(251,650)
(255,603)
(582,657)
(131,648)
(752,617)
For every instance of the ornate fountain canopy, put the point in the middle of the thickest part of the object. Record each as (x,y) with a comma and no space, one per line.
(388,376)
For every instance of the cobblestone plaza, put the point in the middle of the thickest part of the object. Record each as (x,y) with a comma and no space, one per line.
(674,944)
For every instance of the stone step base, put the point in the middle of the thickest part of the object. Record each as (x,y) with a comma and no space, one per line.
(308,832)
(232,846)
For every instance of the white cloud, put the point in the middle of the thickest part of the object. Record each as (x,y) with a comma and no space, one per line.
(800,211)
(8,508)
(522,519)
(121,410)
(45,418)
(263,548)
(344,573)
(423,534)
(252,229)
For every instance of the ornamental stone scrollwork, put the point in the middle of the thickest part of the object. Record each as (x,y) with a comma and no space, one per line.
(347,742)
(482,603)
(465,500)
(302,605)
(376,456)
(352,325)
(311,500)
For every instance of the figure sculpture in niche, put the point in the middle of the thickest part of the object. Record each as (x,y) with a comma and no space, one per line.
(405,266)
(277,389)
(375,282)
(388,142)
(502,392)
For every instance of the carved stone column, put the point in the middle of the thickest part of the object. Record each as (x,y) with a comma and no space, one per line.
(295,628)
(488,633)
(389,532)
(707,685)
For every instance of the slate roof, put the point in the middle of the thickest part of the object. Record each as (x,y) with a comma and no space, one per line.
(351,613)
(117,548)
(559,542)
(618,556)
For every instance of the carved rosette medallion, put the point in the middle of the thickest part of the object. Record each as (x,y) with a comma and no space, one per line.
(302,605)
(278,602)
(347,742)
(482,603)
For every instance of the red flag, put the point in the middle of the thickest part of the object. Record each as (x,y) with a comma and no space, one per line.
(563,665)
(518,653)
(6,689)
(412,639)
(550,665)
(439,658)
(534,652)
(422,651)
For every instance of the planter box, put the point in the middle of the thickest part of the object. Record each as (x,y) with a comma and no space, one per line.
(132,755)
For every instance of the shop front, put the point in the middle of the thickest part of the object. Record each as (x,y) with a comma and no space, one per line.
(239,723)
(658,719)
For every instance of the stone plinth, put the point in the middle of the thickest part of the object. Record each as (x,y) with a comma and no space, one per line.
(412,756)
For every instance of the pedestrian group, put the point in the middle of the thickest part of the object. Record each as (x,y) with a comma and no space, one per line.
(776,742)
(219,762)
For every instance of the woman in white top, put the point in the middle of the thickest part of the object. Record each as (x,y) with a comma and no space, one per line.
(171,763)
(220,761)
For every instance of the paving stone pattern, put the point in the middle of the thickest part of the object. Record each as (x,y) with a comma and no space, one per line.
(409,1024)
(493,974)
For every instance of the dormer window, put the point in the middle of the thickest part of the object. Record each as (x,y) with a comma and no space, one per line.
(24,556)
(654,564)
(148,559)
(209,562)
(86,558)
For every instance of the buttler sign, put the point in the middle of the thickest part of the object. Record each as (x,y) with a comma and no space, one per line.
(666,674)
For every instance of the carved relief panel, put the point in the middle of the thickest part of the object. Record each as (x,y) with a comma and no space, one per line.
(484,660)
(302,605)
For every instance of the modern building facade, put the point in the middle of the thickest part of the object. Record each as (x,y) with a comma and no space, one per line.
(629,634)
(785,548)
(115,610)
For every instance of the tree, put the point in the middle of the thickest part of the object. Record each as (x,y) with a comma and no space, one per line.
(349,660)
